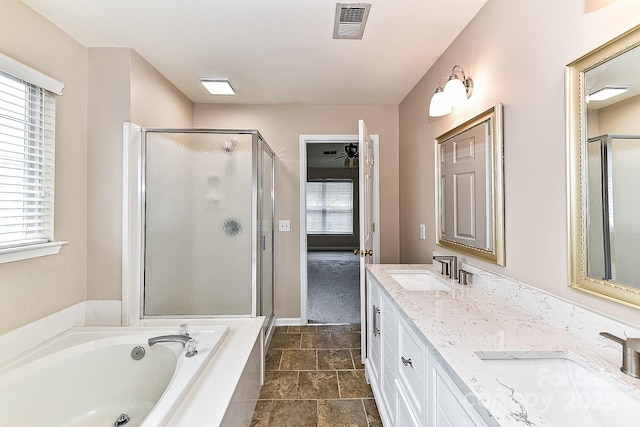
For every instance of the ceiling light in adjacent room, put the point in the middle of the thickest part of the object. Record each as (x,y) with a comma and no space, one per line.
(606,92)
(217,86)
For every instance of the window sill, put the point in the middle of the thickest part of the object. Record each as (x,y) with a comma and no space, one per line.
(30,251)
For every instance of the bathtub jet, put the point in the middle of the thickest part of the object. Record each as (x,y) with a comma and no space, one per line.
(187,342)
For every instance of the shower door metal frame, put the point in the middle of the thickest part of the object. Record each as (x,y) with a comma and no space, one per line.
(256,229)
(261,147)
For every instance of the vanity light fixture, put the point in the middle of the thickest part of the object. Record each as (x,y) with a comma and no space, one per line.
(606,92)
(217,86)
(456,89)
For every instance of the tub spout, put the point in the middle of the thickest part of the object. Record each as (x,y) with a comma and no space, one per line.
(187,342)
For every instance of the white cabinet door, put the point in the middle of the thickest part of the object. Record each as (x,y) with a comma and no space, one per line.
(450,407)
(389,339)
(380,314)
(374,339)
(404,416)
(411,365)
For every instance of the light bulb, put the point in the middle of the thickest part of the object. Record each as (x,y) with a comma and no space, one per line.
(439,105)
(455,91)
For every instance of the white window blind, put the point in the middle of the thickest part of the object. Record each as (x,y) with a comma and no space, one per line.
(330,207)
(27,135)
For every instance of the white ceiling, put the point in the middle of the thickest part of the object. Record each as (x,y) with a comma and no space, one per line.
(621,70)
(273,51)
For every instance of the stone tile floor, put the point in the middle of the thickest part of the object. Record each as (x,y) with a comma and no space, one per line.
(314,377)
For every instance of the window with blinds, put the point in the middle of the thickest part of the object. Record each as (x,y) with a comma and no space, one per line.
(27,135)
(330,207)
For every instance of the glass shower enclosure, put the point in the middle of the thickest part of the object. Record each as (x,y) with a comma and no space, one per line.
(613,205)
(208,208)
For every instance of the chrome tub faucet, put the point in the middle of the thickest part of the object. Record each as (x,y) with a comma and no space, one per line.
(187,342)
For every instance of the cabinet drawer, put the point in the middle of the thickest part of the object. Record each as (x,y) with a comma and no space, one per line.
(411,367)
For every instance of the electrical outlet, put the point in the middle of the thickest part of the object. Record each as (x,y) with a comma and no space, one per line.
(423,232)
(284,225)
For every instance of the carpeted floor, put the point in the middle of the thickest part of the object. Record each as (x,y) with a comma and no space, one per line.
(333,289)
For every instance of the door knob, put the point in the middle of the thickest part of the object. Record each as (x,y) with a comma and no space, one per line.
(363,252)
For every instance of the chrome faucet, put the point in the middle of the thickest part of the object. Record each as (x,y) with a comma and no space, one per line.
(463,277)
(187,342)
(630,354)
(451,263)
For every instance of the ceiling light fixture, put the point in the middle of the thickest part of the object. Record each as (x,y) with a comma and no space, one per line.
(217,86)
(607,92)
(456,89)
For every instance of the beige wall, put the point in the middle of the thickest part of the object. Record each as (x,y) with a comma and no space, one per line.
(32,289)
(122,87)
(108,107)
(281,126)
(619,118)
(515,52)
(155,102)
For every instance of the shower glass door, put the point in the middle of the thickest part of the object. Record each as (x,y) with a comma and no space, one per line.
(199,250)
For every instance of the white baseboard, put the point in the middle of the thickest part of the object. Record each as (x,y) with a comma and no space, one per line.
(285,321)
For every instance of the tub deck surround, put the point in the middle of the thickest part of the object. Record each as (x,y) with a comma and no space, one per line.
(480,317)
(226,392)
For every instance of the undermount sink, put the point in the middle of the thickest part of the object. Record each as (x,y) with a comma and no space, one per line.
(418,280)
(564,392)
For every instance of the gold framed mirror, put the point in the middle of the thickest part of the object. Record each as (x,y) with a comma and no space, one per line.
(469,187)
(603,154)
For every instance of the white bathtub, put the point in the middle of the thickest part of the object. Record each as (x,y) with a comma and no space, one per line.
(87,377)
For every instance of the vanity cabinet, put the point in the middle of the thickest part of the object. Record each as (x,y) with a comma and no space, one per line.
(410,386)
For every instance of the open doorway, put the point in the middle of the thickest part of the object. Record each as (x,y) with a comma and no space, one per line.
(331,225)
(332,220)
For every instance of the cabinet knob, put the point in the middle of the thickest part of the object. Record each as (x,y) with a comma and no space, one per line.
(406,362)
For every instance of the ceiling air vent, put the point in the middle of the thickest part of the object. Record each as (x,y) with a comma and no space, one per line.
(350,20)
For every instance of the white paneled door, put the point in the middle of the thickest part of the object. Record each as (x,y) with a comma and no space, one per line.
(464,184)
(367,225)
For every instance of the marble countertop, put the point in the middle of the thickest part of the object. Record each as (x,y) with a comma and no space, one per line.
(456,324)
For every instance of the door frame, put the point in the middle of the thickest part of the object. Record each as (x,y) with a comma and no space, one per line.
(319,139)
